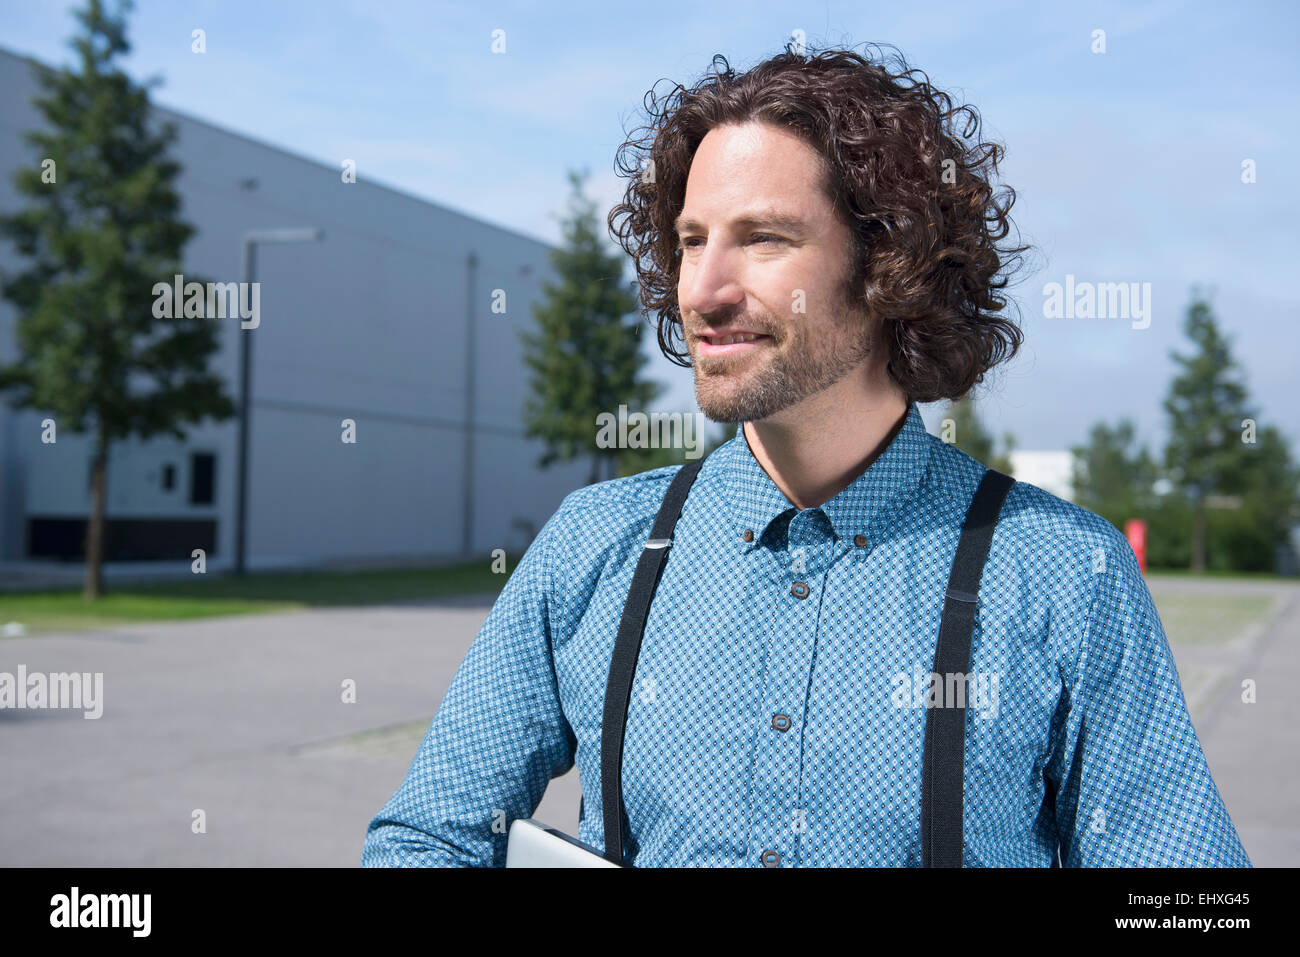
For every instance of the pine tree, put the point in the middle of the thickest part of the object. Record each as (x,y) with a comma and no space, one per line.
(586,357)
(1206,403)
(101,229)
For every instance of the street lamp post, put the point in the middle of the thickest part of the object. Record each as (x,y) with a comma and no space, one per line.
(471,359)
(251,241)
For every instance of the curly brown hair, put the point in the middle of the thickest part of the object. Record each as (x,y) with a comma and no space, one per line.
(928,227)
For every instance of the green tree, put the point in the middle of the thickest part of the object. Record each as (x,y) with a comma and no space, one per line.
(101,228)
(633,461)
(1111,477)
(585,357)
(1002,460)
(962,427)
(1266,504)
(1206,404)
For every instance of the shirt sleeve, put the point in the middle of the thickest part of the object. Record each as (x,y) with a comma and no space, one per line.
(495,742)
(1133,785)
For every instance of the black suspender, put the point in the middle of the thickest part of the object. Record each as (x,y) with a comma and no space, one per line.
(945,728)
(627,647)
(942,759)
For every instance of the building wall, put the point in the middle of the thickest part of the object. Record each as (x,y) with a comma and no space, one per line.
(1051,471)
(369,324)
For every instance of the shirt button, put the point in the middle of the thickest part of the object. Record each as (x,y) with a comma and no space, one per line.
(799,590)
(860,541)
(781,722)
(747,534)
(771,859)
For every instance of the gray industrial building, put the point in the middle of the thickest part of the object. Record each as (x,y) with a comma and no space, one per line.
(374,323)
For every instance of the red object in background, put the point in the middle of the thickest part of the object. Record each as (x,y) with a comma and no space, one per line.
(1136,532)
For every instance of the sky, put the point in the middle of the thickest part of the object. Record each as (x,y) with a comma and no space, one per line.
(1127,163)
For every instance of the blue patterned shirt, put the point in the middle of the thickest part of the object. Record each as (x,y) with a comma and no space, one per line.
(762,721)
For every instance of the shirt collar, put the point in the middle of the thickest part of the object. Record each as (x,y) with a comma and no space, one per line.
(866,507)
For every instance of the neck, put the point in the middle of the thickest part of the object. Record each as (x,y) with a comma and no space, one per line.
(816,449)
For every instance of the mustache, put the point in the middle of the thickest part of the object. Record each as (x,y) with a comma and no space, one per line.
(758,327)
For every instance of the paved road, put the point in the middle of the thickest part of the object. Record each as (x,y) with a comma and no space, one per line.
(240,717)
(243,718)
(1254,748)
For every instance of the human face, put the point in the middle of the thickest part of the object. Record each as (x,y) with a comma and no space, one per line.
(763,252)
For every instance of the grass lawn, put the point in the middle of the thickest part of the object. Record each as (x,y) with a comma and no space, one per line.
(201,597)
(1198,619)
(1187,617)
(1219,575)
(1211,619)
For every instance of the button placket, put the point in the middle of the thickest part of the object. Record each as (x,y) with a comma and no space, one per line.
(791,643)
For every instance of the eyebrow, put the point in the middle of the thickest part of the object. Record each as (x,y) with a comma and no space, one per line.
(770,220)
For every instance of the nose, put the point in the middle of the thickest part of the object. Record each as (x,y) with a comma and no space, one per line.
(709,280)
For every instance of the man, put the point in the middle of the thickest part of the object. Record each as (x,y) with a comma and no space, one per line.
(829,249)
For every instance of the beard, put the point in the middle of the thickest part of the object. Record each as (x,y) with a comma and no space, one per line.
(786,369)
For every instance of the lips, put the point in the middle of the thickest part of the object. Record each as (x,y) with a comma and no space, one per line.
(728,342)
(720,335)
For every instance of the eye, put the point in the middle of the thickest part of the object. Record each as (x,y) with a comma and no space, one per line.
(765,239)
